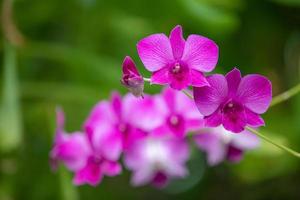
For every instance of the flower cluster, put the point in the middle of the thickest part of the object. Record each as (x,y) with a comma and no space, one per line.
(150,134)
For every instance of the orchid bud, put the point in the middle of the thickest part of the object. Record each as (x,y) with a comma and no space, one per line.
(131,78)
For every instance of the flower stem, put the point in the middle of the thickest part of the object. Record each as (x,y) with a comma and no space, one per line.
(188,93)
(280,146)
(286,95)
(147,79)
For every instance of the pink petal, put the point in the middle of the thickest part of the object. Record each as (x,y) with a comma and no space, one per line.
(255,92)
(72,150)
(129,66)
(245,141)
(90,174)
(200,53)
(141,177)
(208,99)
(161,76)
(155,51)
(177,42)
(116,104)
(212,145)
(213,120)
(235,121)
(110,168)
(147,113)
(107,141)
(181,80)
(160,180)
(253,119)
(198,79)
(170,96)
(233,80)
(234,154)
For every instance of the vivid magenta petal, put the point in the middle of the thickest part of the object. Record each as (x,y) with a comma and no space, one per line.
(155,51)
(198,79)
(235,121)
(213,120)
(200,53)
(111,168)
(234,154)
(255,92)
(90,174)
(208,99)
(161,76)
(233,80)
(253,119)
(177,42)
(129,66)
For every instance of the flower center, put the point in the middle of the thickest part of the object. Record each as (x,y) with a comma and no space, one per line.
(174,120)
(176,68)
(231,107)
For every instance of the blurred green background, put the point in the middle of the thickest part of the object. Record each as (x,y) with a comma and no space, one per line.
(70,52)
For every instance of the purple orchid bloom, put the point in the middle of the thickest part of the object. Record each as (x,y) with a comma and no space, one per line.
(131,78)
(220,144)
(156,160)
(180,114)
(178,62)
(71,149)
(233,101)
(126,119)
(89,159)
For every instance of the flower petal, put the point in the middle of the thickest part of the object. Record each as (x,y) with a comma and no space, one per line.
(253,119)
(110,168)
(234,154)
(233,80)
(255,92)
(177,42)
(107,141)
(90,174)
(200,53)
(213,147)
(155,51)
(213,120)
(142,177)
(198,79)
(161,76)
(129,66)
(245,140)
(234,121)
(208,99)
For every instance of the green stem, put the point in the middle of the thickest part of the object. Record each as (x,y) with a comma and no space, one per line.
(282,147)
(188,93)
(286,95)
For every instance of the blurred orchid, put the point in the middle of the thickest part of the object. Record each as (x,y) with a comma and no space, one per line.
(131,78)
(156,160)
(89,160)
(180,114)
(178,62)
(71,149)
(220,144)
(234,101)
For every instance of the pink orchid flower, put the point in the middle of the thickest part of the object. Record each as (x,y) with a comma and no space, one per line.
(156,160)
(114,119)
(220,144)
(71,149)
(180,114)
(233,101)
(131,78)
(87,158)
(178,62)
